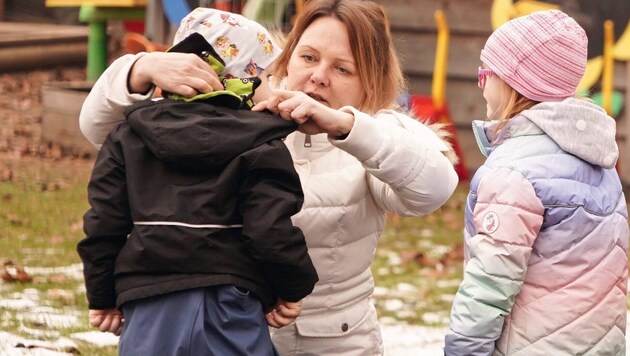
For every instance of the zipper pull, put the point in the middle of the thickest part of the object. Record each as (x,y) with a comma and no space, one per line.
(307,141)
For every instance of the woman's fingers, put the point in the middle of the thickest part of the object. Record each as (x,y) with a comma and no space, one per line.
(312,116)
(185,74)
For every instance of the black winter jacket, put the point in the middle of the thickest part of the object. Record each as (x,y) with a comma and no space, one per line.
(168,215)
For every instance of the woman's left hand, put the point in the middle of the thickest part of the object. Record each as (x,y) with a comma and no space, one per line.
(312,116)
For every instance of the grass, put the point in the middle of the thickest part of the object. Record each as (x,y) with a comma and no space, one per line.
(414,271)
(417,267)
(43,201)
(42,205)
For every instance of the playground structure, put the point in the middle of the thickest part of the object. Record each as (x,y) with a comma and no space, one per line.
(434,109)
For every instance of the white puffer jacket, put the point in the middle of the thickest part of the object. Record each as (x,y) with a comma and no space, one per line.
(388,164)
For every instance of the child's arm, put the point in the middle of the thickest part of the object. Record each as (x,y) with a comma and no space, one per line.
(109,320)
(507,218)
(269,196)
(106,226)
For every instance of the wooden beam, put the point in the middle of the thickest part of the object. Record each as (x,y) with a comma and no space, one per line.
(101,3)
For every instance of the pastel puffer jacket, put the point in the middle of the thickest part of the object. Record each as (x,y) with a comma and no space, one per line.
(546,239)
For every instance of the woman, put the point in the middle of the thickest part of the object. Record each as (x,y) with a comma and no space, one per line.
(357,160)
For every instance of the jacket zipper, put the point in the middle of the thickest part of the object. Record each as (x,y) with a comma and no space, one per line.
(307,141)
(478,140)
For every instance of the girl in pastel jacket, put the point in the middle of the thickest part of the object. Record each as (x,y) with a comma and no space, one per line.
(546,233)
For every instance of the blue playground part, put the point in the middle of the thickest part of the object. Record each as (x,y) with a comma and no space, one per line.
(175,10)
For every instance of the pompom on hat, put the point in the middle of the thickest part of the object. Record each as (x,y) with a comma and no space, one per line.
(542,55)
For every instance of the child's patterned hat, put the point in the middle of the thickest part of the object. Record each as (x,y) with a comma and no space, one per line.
(245,46)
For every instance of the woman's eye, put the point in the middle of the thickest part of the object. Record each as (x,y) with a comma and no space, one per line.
(343,70)
(308,57)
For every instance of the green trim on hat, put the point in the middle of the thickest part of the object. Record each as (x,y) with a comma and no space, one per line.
(237,93)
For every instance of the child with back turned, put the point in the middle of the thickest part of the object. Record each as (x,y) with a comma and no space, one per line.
(546,230)
(187,246)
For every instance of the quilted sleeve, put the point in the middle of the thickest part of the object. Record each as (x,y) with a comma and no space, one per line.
(507,218)
(103,108)
(408,173)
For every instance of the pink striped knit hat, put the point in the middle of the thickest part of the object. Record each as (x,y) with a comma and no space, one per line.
(542,55)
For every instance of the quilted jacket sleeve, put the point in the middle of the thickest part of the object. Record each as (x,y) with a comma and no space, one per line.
(507,218)
(106,226)
(103,108)
(407,171)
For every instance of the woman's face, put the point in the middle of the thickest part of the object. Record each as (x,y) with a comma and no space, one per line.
(323,67)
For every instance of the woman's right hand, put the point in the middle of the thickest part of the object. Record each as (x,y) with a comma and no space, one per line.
(313,117)
(185,74)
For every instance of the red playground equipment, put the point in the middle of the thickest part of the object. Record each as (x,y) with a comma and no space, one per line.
(433,109)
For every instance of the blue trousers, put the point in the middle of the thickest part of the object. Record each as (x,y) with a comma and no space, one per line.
(220,320)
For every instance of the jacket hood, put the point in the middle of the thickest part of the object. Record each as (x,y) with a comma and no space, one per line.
(200,135)
(580,128)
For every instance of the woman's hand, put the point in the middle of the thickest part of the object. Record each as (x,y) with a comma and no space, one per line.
(180,73)
(284,313)
(108,320)
(312,116)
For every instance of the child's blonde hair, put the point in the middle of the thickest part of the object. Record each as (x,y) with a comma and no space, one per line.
(512,104)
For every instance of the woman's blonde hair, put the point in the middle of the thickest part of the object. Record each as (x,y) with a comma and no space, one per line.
(371,45)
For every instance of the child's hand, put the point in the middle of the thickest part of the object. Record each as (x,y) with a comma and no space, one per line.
(108,320)
(284,313)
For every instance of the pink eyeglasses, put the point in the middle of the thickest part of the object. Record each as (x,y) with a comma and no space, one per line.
(482,76)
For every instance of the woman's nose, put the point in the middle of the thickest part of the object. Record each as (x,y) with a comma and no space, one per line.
(320,76)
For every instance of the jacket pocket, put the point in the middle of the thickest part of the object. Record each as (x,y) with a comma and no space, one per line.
(333,323)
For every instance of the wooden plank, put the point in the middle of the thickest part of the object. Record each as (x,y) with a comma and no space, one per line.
(34,29)
(43,56)
(61,105)
(103,3)
(417,53)
(462,16)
